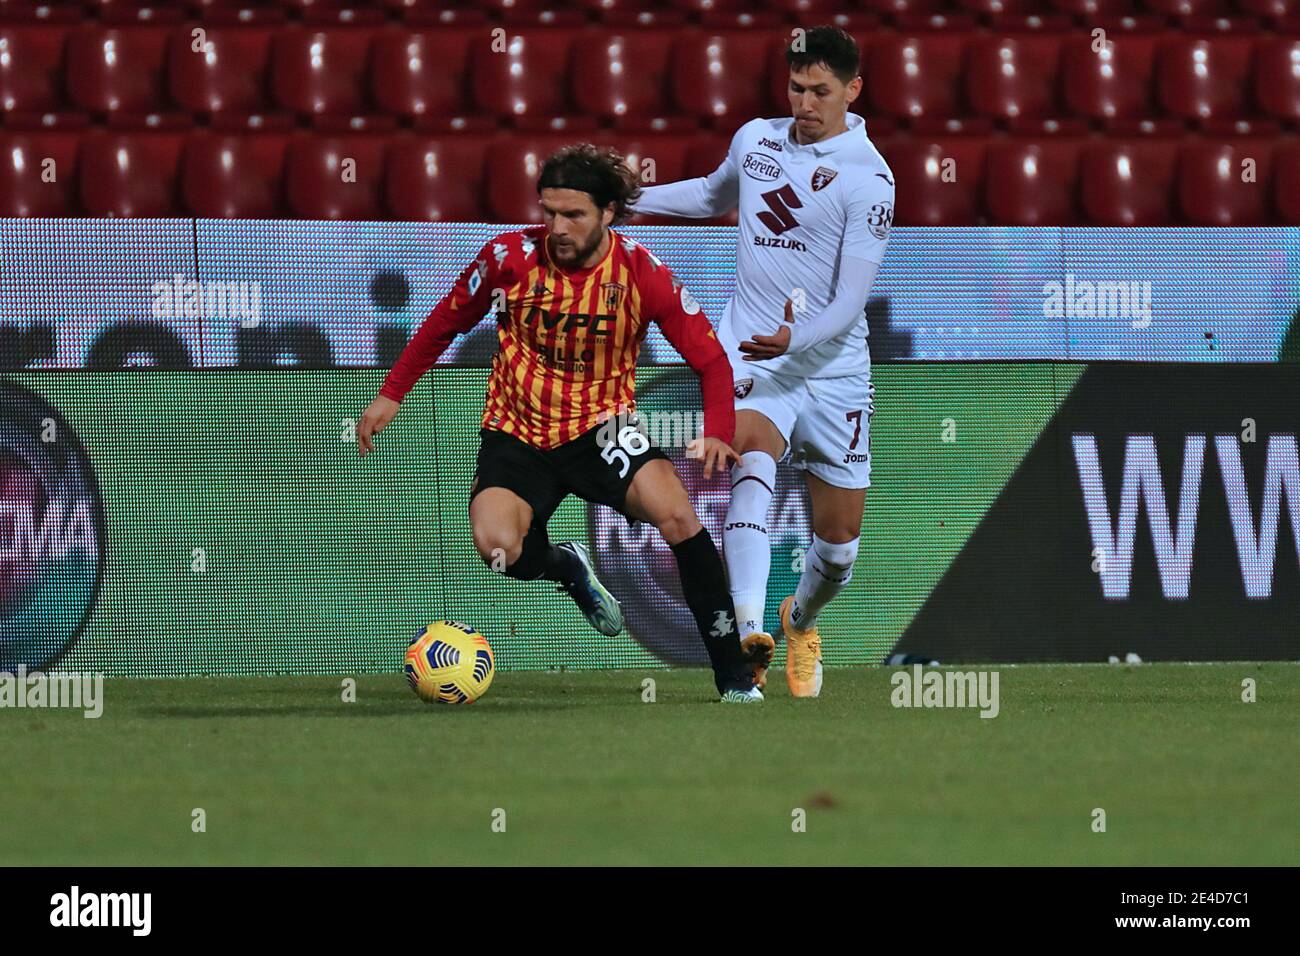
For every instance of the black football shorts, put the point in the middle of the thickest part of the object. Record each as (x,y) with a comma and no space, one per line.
(592,466)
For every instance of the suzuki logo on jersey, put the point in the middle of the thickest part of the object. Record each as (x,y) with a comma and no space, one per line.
(821,178)
(762,167)
(1174,536)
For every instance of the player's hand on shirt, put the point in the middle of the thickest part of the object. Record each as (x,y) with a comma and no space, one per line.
(715,452)
(375,419)
(762,347)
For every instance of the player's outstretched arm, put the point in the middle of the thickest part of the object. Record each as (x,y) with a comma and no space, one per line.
(459,311)
(704,197)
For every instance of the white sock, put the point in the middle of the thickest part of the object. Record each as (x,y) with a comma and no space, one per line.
(827,568)
(745,546)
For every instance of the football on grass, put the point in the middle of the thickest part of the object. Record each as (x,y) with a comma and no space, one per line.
(449,663)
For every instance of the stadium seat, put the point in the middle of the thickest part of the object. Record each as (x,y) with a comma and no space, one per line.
(1189,8)
(230,176)
(1277,78)
(226,75)
(1286,190)
(721,78)
(513,166)
(901,8)
(117,70)
(422,75)
(1115,83)
(937,180)
(915,76)
(1094,8)
(655,159)
(525,79)
(998,7)
(1128,183)
(621,76)
(1013,78)
(23,161)
(1032,183)
(1200,79)
(321,72)
(703,156)
(1269,9)
(318,186)
(130,174)
(31,64)
(437,179)
(1211,190)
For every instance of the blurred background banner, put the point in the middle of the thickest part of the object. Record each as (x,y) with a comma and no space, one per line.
(217,293)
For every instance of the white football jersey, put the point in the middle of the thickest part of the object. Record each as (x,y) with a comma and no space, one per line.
(802,208)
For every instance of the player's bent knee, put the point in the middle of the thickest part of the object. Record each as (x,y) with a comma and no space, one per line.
(498,547)
(680,525)
(837,554)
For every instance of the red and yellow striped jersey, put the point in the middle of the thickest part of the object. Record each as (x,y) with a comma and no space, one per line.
(568,338)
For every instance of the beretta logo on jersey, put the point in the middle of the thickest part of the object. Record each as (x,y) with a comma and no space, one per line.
(821,178)
(762,167)
(51,532)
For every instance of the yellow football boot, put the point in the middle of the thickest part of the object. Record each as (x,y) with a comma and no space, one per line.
(803,656)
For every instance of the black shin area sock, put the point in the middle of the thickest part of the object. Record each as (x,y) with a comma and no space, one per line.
(540,559)
(704,584)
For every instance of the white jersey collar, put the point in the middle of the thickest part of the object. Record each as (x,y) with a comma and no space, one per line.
(857,131)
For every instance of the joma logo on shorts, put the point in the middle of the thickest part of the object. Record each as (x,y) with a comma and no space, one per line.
(851,457)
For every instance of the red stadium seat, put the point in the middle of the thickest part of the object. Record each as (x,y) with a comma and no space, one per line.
(437,179)
(1032,183)
(655,159)
(1286,191)
(937,180)
(31,64)
(24,158)
(1114,83)
(1128,183)
(234,176)
(321,72)
(1211,189)
(1269,9)
(1188,8)
(226,74)
(513,166)
(915,77)
(422,75)
(998,7)
(1277,78)
(622,76)
(722,77)
(526,78)
(124,174)
(335,177)
(117,70)
(1094,8)
(1200,79)
(1013,78)
(899,8)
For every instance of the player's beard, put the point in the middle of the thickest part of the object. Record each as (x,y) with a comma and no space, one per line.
(579,253)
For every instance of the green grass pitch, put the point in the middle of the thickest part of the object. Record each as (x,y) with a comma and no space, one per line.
(587,773)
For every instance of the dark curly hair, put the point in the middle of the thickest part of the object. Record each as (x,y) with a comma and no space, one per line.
(599,171)
(830,46)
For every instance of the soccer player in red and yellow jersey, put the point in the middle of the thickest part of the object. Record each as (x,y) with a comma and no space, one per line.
(573,302)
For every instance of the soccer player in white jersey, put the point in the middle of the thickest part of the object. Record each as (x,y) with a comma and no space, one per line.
(816,205)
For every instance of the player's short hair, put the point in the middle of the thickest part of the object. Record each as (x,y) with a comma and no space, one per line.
(599,171)
(829,46)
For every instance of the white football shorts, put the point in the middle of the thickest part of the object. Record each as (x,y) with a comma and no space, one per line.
(826,422)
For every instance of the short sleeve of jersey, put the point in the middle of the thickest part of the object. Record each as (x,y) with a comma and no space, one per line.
(870,216)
